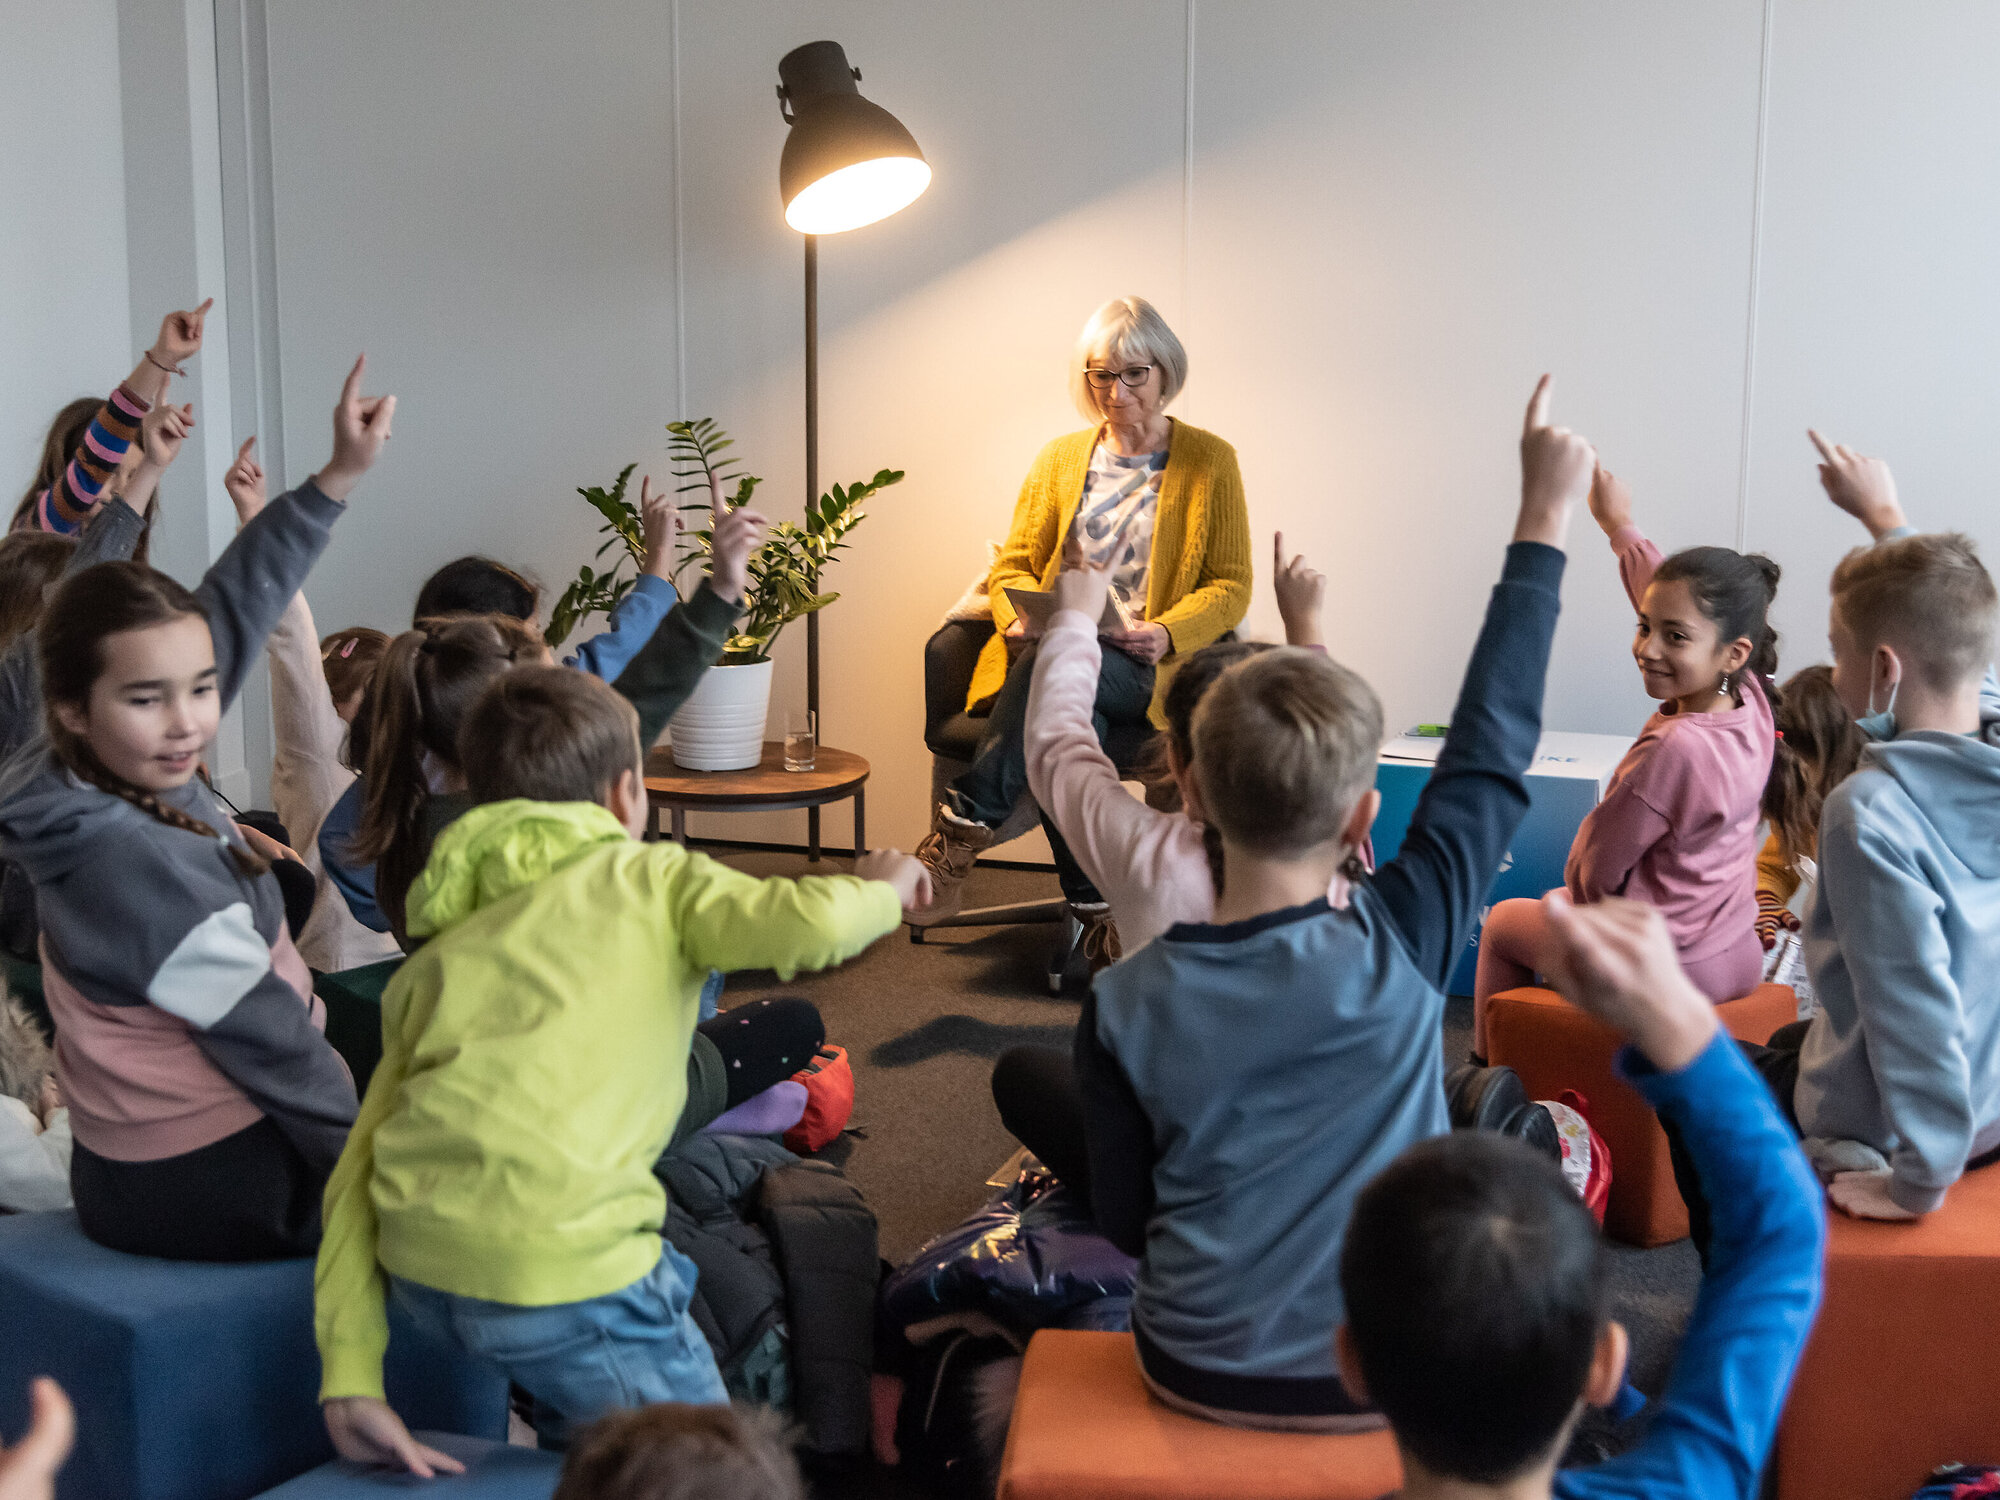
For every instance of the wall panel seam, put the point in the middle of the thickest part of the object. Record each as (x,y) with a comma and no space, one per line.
(1756,275)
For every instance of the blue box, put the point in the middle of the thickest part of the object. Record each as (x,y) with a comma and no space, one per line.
(195,1381)
(1567,779)
(493,1471)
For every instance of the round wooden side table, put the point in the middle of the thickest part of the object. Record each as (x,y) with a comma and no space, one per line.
(764,787)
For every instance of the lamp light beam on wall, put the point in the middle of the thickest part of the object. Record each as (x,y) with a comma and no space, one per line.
(847,162)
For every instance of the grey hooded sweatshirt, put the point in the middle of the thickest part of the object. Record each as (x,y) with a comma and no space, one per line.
(1903,945)
(184,1014)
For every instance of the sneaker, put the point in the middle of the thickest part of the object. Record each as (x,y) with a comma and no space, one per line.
(1493,1099)
(1099,942)
(948,851)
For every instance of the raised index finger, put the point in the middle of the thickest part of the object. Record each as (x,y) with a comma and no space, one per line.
(1825,448)
(1538,405)
(350,390)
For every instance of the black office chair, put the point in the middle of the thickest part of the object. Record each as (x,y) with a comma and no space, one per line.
(952,735)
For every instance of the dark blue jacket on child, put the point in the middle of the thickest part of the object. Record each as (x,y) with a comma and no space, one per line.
(1244,1082)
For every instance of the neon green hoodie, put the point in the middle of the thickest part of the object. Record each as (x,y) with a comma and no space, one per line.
(534,1062)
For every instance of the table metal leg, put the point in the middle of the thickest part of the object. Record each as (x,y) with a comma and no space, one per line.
(680,825)
(812,834)
(860,822)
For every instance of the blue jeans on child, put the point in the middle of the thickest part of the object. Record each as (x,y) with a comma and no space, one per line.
(626,1349)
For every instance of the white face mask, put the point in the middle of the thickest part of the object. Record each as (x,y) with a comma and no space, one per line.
(1880,725)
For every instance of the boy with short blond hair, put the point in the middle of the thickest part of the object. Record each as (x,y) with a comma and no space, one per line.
(1243,1078)
(1895,1081)
(498,1182)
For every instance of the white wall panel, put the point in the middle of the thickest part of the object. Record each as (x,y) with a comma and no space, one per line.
(66,313)
(1879,311)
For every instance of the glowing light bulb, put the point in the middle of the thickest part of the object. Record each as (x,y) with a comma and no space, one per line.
(858,195)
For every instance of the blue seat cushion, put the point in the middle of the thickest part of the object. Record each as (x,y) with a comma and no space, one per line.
(195,1382)
(493,1471)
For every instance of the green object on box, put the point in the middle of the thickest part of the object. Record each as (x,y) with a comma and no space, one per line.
(354,1015)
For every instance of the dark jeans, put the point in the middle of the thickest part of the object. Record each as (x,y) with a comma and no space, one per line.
(1777,1063)
(998,775)
(249,1196)
(1040,1104)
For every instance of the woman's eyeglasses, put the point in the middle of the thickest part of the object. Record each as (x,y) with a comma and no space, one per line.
(1134,377)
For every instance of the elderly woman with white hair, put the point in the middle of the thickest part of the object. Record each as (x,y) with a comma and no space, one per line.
(1158,502)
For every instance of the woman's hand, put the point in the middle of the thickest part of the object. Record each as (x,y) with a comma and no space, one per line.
(659,525)
(1861,486)
(367,1431)
(360,428)
(1144,642)
(1610,501)
(244,480)
(1300,591)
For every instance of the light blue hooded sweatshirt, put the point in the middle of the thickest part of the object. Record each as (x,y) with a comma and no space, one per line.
(1903,945)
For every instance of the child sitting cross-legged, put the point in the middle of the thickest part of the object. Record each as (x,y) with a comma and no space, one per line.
(498,1182)
(1242,1078)
(1895,1081)
(1477,1287)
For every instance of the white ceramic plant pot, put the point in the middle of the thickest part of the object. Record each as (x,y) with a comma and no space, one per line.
(721,726)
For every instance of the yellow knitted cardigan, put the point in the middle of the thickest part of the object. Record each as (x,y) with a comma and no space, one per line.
(1198,583)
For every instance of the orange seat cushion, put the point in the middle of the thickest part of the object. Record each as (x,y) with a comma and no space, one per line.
(1554,1046)
(1898,1378)
(1086,1428)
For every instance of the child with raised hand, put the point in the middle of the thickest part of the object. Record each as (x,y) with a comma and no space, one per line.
(561,971)
(1677,826)
(1151,865)
(1895,1081)
(79,457)
(1818,747)
(117,532)
(308,773)
(414,785)
(207,1108)
(1476,1285)
(1243,1078)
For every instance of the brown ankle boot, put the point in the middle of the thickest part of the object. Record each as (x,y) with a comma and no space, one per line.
(948,851)
(1099,942)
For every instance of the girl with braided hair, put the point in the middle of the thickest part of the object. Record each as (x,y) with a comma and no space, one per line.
(206,1106)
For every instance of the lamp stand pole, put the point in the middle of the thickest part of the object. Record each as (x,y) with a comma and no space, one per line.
(812,460)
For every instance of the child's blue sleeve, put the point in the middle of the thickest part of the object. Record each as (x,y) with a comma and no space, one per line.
(354,881)
(1713,1427)
(1478,793)
(629,627)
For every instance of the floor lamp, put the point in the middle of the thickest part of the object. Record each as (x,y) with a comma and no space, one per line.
(846,163)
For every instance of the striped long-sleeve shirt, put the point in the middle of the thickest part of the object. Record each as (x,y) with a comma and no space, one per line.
(65,505)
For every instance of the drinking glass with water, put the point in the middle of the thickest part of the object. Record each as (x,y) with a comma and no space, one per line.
(801,739)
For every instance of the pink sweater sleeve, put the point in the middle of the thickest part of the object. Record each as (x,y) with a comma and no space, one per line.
(1615,836)
(1148,864)
(1638,561)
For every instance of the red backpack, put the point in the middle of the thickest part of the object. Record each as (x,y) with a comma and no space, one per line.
(1586,1160)
(829,1085)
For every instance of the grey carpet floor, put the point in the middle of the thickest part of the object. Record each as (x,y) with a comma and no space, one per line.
(923,1024)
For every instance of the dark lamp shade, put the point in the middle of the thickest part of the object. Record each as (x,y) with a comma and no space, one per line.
(847,162)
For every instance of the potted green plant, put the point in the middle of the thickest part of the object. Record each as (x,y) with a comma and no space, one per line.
(721,726)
